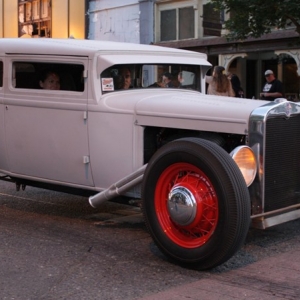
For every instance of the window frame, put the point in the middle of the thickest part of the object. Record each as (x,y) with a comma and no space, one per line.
(37,93)
(162,6)
(152,74)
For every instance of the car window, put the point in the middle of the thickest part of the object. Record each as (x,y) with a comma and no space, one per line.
(123,77)
(34,75)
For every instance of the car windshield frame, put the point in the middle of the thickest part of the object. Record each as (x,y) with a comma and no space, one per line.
(181,76)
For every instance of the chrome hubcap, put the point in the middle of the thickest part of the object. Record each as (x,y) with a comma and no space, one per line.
(182,206)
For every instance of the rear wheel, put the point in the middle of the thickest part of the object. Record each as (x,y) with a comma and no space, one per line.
(195,203)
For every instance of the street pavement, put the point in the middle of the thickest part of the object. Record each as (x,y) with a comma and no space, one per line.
(55,246)
(276,277)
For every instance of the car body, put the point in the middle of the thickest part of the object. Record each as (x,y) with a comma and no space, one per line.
(206,167)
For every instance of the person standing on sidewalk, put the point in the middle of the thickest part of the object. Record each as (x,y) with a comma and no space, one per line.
(236,85)
(272,88)
(219,84)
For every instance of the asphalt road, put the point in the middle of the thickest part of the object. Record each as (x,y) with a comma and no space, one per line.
(55,246)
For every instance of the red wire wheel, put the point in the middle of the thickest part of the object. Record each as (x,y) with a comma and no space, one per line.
(199,222)
(195,203)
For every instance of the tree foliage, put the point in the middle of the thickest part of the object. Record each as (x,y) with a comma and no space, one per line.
(253,18)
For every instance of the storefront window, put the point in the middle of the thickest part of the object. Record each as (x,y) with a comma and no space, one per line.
(35,18)
(212,21)
(177,24)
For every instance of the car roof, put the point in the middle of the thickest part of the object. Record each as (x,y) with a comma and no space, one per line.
(79,47)
(110,53)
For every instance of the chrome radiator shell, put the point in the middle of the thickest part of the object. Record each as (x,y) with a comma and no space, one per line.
(274,135)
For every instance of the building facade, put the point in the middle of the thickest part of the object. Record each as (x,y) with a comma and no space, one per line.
(249,59)
(194,25)
(185,24)
(129,21)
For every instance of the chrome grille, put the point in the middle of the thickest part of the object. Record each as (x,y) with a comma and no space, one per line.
(282,162)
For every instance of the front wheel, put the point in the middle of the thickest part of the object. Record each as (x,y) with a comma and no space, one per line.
(196,203)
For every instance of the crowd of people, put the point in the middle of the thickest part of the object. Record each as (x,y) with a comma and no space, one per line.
(223,84)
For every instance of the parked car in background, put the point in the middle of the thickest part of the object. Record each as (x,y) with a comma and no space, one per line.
(206,167)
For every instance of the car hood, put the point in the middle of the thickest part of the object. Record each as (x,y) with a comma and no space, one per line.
(185,109)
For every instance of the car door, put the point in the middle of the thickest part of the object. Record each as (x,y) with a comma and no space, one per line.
(46,130)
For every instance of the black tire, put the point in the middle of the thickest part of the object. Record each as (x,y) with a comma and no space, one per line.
(222,210)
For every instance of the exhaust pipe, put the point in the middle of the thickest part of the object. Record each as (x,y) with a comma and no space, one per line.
(118,188)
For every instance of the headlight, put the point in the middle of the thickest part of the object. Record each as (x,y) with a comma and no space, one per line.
(246,161)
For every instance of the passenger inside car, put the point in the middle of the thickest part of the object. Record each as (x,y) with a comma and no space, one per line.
(49,80)
(121,78)
(126,74)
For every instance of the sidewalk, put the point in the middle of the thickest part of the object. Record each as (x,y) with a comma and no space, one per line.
(276,277)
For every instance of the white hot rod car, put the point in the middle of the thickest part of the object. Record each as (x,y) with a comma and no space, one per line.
(205,167)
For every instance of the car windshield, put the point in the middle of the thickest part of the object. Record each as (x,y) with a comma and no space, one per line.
(122,77)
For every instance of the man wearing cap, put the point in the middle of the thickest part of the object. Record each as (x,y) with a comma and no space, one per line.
(273,87)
